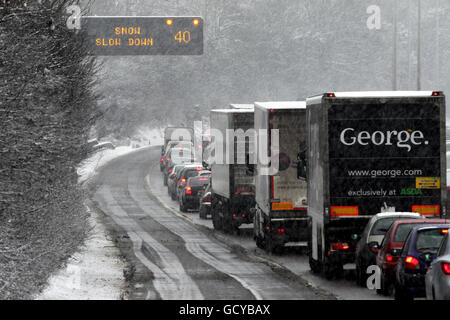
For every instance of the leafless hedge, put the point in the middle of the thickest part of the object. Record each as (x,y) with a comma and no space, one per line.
(46,108)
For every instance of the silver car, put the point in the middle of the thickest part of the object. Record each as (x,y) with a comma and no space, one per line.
(437,279)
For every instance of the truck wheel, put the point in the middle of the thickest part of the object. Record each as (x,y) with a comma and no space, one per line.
(329,271)
(360,275)
(202,214)
(217,220)
(315,266)
(182,206)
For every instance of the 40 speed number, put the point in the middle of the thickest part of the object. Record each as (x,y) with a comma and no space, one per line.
(183,36)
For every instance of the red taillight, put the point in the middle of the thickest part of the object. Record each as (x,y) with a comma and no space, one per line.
(234,215)
(444,231)
(243,215)
(203,179)
(331,95)
(339,246)
(199,169)
(167,159)
(183,180)
(411,263)
(281,231)
(389,258)
(435,93)
(170,170)
(188,190)
(445,268)
(162,160)
(208,198)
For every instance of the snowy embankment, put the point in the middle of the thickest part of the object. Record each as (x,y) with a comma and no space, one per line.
(96,272)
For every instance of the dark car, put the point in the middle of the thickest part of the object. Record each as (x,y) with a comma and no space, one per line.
(205,203)
(418,253)
(173,180)
(193,191)
(391,248)
(173,157)
(371,238)
(190,170)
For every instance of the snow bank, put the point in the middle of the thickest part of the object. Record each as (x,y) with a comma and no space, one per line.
(89,166)
(94,273)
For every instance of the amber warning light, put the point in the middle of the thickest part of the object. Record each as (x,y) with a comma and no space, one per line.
(116,36)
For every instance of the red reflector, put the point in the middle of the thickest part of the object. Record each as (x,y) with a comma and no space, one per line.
(427,210)
(337,211)
(339,246)
(445,268)
(411,263)
(188,190)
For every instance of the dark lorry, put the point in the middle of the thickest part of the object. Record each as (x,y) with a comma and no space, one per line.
(370,152)
(232,182)
(280,190)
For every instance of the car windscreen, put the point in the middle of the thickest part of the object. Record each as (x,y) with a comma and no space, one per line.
(381,226)
(402,231)
(429,240)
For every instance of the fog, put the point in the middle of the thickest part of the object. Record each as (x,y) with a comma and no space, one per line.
(270,50)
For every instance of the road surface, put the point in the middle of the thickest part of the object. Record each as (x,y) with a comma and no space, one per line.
(178,256)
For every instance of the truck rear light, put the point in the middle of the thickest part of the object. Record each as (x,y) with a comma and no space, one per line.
(337,211)
(427,210)
(188,190)
(339,246)
(411,263)
(445,266)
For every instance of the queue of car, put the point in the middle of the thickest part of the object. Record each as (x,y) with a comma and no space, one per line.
(409,248)
(186,179)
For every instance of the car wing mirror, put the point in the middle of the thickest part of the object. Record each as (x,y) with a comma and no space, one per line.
(374,246)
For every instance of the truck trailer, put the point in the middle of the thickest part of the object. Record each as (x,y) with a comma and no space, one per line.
(280,215)
(370,152)
(232,180)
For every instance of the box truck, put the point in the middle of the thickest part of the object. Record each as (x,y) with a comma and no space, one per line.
(232,180)
(370,152)
(280,215)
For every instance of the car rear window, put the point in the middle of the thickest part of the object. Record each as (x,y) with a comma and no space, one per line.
(191,173)
(429,240)
(381,226)
(199,181)
(403,231)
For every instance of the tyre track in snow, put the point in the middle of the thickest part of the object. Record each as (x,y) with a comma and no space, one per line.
(185,262)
